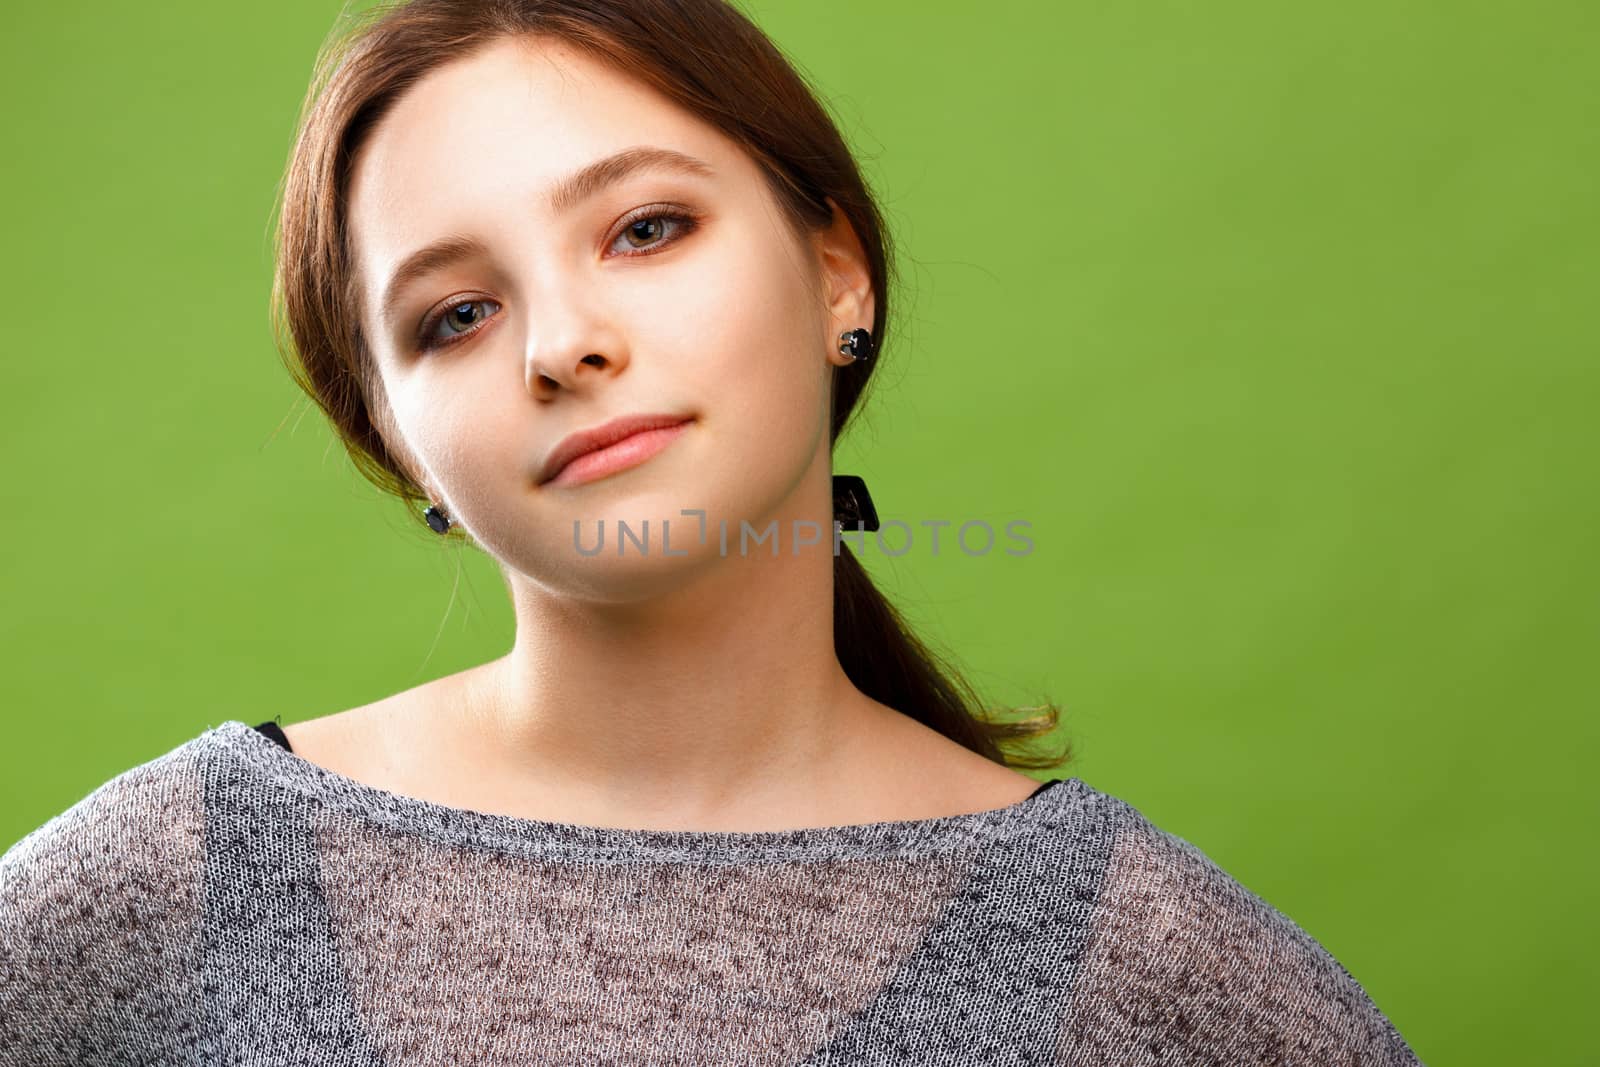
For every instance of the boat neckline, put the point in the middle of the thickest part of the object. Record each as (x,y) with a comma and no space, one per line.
(407,815)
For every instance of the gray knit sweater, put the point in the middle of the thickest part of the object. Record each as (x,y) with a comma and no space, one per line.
(230,902)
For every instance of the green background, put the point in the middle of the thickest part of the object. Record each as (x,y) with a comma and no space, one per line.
(1267,317)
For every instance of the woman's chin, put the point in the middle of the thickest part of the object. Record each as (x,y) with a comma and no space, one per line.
(608,577)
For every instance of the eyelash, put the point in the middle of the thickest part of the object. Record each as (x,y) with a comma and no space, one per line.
(687,224)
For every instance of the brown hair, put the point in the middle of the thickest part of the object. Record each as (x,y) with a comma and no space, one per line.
(711,60)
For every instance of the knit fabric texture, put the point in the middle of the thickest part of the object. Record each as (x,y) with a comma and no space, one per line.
(231,902)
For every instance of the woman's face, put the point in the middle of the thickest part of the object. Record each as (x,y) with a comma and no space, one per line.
(560,317)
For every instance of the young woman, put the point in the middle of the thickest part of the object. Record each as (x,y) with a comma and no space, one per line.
(559,270)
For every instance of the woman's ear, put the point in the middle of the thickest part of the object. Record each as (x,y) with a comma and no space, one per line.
(846,278)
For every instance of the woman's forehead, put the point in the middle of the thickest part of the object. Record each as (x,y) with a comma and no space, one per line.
(513,109)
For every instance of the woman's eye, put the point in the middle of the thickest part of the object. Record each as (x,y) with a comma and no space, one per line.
(454,321)
(644,231)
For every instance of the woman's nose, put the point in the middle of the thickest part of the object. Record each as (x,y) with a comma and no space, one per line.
(546,374)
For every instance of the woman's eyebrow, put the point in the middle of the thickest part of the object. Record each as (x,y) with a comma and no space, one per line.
(584,183)
(565,194)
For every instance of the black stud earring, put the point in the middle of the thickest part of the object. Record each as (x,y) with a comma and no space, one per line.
(851,502)
(857,344)
(438,521)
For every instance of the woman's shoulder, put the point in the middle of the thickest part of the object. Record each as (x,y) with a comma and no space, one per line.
(141,831)
(100,911)
(1183,951)
(151,808)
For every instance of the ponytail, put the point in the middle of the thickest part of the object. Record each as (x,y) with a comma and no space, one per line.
(884,659)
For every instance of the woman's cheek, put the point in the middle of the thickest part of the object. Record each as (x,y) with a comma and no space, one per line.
(471,446)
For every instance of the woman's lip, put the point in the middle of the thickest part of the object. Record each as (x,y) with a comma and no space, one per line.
(595,438)
(628,452)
